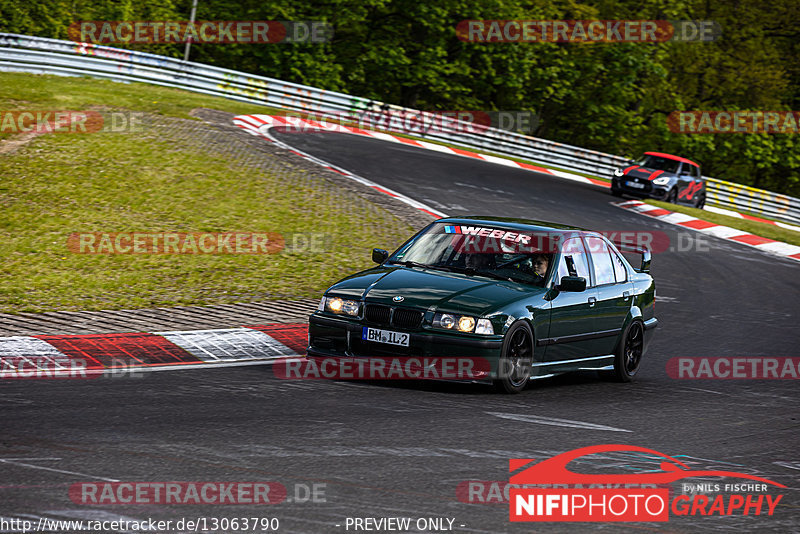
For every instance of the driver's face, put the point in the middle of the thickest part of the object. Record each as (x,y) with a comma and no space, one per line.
(540,265)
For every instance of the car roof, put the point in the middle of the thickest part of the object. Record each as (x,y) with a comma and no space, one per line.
(516,224)
(670,156)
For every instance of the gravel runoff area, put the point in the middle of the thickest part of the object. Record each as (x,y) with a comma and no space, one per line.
(225,138)
(216,133)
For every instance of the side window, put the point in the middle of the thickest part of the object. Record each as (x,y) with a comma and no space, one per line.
(573,260)
(695,171)
(601,257)
(619,268)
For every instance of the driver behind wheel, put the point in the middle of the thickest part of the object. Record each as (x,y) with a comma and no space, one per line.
(540,262)
(536,265)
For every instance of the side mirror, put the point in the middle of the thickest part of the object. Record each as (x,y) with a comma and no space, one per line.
(575,284)
(645,268)
(379,255)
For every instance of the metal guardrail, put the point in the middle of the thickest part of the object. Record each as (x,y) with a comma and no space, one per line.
(21,53)
(740,197)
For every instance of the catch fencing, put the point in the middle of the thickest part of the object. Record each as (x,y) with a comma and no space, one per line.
(39,55)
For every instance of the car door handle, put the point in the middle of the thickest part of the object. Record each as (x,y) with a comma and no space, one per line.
(592,301)
(626,295)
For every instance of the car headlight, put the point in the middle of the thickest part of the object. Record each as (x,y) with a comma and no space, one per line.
(663,180)
(462,323)
(341,306)
(444,320)
(484,327)
(466,324)
(617,172)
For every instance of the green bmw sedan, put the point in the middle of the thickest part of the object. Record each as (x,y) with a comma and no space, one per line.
(530,299)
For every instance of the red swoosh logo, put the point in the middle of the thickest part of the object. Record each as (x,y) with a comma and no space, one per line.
(554,470)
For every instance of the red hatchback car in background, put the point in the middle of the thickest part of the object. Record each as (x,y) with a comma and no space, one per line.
(662,177)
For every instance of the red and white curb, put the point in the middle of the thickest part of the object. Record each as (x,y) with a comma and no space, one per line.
(771,246)
(261,124)
(36,356)
(738,215)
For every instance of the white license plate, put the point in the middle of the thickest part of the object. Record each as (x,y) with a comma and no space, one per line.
(384,336)
(635,185)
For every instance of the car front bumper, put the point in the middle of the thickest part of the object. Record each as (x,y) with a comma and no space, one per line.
(648,190)
(341,338)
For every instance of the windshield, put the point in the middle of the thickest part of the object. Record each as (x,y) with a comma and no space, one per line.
(659,163)
(490,252)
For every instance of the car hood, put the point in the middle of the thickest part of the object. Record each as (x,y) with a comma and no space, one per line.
(646,172)
(424,288)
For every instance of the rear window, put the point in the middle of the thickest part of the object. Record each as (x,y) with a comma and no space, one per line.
(620,273)
(601,258)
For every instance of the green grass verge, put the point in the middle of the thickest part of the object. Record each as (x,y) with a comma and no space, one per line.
(754,227)
(141,182)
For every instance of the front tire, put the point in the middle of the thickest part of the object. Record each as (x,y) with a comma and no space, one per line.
(628,357)
(514,368)
(672,198)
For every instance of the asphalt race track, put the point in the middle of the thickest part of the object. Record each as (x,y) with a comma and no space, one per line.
(402,449)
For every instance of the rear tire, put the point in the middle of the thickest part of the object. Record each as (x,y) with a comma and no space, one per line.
(514,368)
(628,357)
(701,201)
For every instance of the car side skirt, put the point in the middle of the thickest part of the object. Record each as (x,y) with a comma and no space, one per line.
(574,363)
(592,363)
(578,337)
